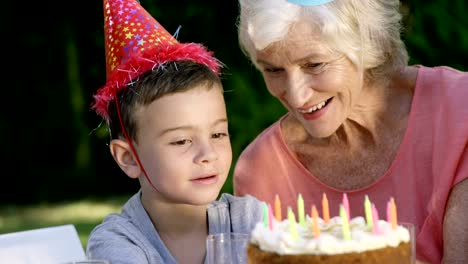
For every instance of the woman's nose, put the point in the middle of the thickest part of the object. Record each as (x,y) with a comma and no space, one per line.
(298,90)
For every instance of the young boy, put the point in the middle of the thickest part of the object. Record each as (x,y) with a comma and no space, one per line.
(163,102)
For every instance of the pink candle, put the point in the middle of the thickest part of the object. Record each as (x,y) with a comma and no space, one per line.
(375,219)
(270,217)
(346,205)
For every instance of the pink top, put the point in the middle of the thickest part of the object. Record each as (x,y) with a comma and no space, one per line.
(432,158)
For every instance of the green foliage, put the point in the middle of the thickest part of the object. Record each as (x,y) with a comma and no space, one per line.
(437,33)
(84,214)
(250,110)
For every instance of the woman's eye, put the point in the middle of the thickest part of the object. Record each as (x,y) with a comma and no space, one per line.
(314,65)
(272,70)
(314,68)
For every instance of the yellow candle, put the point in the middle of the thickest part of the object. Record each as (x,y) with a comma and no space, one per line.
(368,211)
(325,210)
(345,225)
(393,211)
(278,215)
(315,226)
(300,210)
(292,224)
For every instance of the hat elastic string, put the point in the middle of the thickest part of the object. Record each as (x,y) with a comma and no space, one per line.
(130,141)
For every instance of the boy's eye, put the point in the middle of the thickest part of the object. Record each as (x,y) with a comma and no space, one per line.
(181,142)
(219,135)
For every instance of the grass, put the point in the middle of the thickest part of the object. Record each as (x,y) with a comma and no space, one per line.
(83,214)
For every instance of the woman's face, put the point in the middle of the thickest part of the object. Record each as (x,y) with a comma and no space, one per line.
(318,86)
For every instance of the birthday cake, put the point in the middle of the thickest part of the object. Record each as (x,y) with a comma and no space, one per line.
(337,240)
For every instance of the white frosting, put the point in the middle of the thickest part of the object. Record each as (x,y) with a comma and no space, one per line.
(330,241)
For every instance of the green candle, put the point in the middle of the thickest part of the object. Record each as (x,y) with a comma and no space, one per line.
(292,224)
(345,225)
(265,214)
(368,211)
(300,210)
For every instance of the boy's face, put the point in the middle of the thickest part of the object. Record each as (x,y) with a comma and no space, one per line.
(184,146)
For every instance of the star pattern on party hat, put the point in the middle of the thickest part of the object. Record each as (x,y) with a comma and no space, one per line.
(129,28)
(136,43)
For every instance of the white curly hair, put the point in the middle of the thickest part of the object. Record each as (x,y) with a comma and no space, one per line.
(368,32)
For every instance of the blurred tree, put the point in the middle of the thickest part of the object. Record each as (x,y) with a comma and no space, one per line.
(437,32)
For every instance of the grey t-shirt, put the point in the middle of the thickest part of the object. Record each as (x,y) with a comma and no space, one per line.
(130,237)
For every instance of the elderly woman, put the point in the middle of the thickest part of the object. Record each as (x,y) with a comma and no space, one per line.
(360,120)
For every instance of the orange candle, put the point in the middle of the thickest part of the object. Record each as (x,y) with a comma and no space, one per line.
(389,212)
(393,212)
(278,209)
(315,227)
(325,210)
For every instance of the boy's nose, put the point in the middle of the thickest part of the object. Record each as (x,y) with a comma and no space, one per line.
(207,153)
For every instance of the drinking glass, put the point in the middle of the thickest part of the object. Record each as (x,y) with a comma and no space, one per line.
(412,233)
(227,248)
(90,261)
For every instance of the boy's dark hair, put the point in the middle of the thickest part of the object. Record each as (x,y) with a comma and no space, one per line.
(171,77)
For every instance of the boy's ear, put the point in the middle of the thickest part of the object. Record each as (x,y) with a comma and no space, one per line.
(123,155)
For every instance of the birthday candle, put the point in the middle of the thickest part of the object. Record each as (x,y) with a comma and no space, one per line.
(368,211)
(375,219)
(345,224)
(346,205)
(393,211)
(278,215)
(389,212)
(270,217)
(325,210)
(265,214)
(292,224)
(315,227)
(300,210)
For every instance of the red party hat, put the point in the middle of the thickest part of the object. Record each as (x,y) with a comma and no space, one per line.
(136,43)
